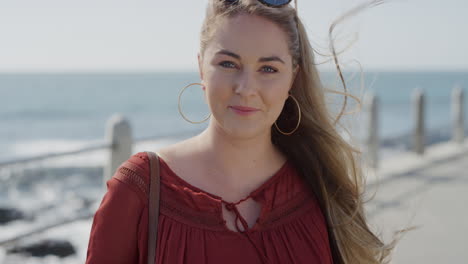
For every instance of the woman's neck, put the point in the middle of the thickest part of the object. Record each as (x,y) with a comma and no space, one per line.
(232,157)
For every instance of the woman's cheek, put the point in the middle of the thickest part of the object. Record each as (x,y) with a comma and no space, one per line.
(216,99)
(277,98)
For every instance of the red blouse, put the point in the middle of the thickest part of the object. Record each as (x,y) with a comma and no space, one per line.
(191,228)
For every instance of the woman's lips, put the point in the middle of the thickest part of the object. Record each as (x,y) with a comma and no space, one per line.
(244,111)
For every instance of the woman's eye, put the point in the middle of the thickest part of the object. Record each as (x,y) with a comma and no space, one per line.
(269,69)
(227,64)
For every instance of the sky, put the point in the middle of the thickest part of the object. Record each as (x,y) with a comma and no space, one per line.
(144,35)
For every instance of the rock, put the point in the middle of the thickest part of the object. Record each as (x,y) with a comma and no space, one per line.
(60,248)
(10,214)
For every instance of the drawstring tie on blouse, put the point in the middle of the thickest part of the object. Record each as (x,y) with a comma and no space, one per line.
(233,207)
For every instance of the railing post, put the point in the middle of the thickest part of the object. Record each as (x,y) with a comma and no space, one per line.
(372,136)
(458,133)
(119,133)
(419,131)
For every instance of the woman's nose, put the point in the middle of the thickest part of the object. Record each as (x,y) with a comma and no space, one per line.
(245,85)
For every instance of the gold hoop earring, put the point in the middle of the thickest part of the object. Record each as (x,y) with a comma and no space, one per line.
(298,121)
(180,109)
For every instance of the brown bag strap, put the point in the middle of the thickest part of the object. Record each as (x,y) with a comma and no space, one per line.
(153,206)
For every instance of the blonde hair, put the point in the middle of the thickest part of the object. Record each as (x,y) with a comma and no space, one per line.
(327,162)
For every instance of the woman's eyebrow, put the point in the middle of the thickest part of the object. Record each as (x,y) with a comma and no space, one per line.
(228,53)
(263,59)
(272,58)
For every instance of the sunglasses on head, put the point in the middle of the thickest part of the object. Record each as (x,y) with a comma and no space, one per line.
(270,3)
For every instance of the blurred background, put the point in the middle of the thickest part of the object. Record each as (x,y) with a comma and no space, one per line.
(72,73)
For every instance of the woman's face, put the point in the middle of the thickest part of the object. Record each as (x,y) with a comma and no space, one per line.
(246,64)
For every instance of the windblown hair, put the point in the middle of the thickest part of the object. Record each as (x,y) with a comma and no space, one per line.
(329,164)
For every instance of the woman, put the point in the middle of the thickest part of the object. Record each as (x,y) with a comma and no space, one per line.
(269,181)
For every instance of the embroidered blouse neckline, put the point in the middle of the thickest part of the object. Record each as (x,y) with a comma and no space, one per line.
(275,177)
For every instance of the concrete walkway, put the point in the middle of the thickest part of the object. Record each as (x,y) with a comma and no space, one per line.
(429,192)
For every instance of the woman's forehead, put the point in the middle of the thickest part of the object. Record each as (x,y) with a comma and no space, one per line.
(250,36)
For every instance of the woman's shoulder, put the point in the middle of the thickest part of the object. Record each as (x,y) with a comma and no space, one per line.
(132,174)
(136,170)
(181,154)
(178,150)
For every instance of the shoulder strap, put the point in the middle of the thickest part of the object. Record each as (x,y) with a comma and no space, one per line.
(153,206)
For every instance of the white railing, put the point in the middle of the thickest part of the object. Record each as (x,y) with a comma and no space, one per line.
(118,140)
(418,133)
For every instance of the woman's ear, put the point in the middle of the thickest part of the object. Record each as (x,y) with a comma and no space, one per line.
(295,72)
(200,67)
